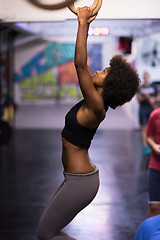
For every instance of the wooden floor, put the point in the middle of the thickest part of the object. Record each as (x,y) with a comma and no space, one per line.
(31,170)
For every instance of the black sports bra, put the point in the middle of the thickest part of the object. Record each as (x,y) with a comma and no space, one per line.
(73,132)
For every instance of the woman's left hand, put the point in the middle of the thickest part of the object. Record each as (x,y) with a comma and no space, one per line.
(85,14)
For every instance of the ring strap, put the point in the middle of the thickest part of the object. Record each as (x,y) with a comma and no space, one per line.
(56,6)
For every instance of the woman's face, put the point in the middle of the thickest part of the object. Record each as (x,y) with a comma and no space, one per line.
(99,76)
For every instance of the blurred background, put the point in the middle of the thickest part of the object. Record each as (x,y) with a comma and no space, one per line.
(38,84)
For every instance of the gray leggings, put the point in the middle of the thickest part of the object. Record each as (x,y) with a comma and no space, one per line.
(74,194)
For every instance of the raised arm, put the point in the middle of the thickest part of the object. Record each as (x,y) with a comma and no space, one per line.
(88,89)
(81,41)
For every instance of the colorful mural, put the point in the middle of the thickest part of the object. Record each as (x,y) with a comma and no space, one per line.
(51,73)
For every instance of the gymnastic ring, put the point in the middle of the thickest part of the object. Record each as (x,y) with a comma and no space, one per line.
(96,6)
(56,6)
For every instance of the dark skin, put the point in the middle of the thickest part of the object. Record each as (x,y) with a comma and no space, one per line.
(92,112)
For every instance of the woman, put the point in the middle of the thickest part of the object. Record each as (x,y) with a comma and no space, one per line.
(112,87)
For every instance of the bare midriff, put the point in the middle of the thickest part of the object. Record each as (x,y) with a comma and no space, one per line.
(76,160)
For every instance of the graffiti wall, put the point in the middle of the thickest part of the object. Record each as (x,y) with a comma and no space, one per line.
(50,75)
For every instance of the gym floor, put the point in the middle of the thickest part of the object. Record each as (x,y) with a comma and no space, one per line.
(31,170)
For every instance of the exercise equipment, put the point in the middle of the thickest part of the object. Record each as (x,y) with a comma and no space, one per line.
(55,6)
(66,3)
(96,6)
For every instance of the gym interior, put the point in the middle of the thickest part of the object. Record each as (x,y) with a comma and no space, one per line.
(38,85)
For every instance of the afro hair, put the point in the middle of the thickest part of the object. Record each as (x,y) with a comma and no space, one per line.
(120,84)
